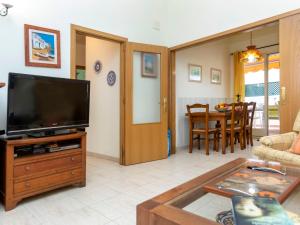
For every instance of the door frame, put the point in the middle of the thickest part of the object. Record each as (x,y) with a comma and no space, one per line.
(76,29)
(200,41)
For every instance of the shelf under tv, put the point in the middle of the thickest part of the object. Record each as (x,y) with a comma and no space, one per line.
(37,173)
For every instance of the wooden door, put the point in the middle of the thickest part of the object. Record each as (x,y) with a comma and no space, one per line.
(289,33)
(146,107)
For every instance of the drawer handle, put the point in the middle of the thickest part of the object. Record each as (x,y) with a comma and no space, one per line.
(27,184)
(72,159)
(72,173)
(27,168)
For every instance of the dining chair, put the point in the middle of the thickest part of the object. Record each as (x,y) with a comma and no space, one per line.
(249,122)
(206,131)
(237,124)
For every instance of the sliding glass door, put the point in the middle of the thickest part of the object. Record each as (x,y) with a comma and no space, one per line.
(262,85)
(273,94)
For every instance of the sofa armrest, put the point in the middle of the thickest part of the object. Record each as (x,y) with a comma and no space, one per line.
(279,142)
(269,154)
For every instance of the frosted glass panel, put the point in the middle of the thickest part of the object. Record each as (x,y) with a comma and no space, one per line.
(146,88)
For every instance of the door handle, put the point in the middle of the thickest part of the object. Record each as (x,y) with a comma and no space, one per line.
(283,95)
(165,104)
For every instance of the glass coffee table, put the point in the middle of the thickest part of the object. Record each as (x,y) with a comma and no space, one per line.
(200,200)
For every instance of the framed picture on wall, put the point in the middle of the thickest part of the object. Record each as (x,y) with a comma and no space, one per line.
(195,73)
(149,65)
(215,76)
(42,47)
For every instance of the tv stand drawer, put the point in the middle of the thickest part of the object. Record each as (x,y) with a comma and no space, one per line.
(47,166)
(45,182)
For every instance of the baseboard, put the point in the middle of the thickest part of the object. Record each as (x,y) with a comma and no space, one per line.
(101,156)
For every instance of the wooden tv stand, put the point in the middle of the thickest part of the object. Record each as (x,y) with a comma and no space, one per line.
(26,176)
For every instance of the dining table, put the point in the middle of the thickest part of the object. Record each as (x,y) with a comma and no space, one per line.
(221,119)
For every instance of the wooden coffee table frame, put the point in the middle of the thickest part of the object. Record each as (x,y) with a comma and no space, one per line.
(166,209)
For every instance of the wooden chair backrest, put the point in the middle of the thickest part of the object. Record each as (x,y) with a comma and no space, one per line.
(200,108)
(238,113)
(250,114)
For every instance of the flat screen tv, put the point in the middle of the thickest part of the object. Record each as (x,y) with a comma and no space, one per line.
(43,104)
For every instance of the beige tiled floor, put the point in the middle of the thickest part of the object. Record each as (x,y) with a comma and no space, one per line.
(113,191)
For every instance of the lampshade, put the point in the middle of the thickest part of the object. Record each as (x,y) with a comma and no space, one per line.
(251,55)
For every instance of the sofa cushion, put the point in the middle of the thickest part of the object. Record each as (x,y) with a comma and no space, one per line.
(296,146)
(279,142)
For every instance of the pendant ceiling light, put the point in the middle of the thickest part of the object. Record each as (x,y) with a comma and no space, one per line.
(251,55)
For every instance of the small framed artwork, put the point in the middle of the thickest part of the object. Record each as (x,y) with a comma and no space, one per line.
(215,76)
(195,73)
(149,65)
(42,47)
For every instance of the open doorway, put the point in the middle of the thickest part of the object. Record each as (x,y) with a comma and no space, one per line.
(219,54)
(99,57)
(146,70)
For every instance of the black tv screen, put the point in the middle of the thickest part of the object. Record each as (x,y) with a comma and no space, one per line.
(39,103)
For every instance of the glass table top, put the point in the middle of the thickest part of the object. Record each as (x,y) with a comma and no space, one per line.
(208,203)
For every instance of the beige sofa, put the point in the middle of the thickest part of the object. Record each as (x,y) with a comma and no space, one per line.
(276,147)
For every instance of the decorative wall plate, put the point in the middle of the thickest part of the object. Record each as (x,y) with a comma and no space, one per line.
(111,78)
(98,66)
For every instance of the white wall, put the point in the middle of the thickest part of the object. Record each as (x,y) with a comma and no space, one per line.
(214,54)
(131,18)
(104,130)
(188,20)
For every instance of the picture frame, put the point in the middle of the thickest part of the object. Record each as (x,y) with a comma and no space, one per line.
(42,47)
(149,65)
(195,73)
(215,76)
